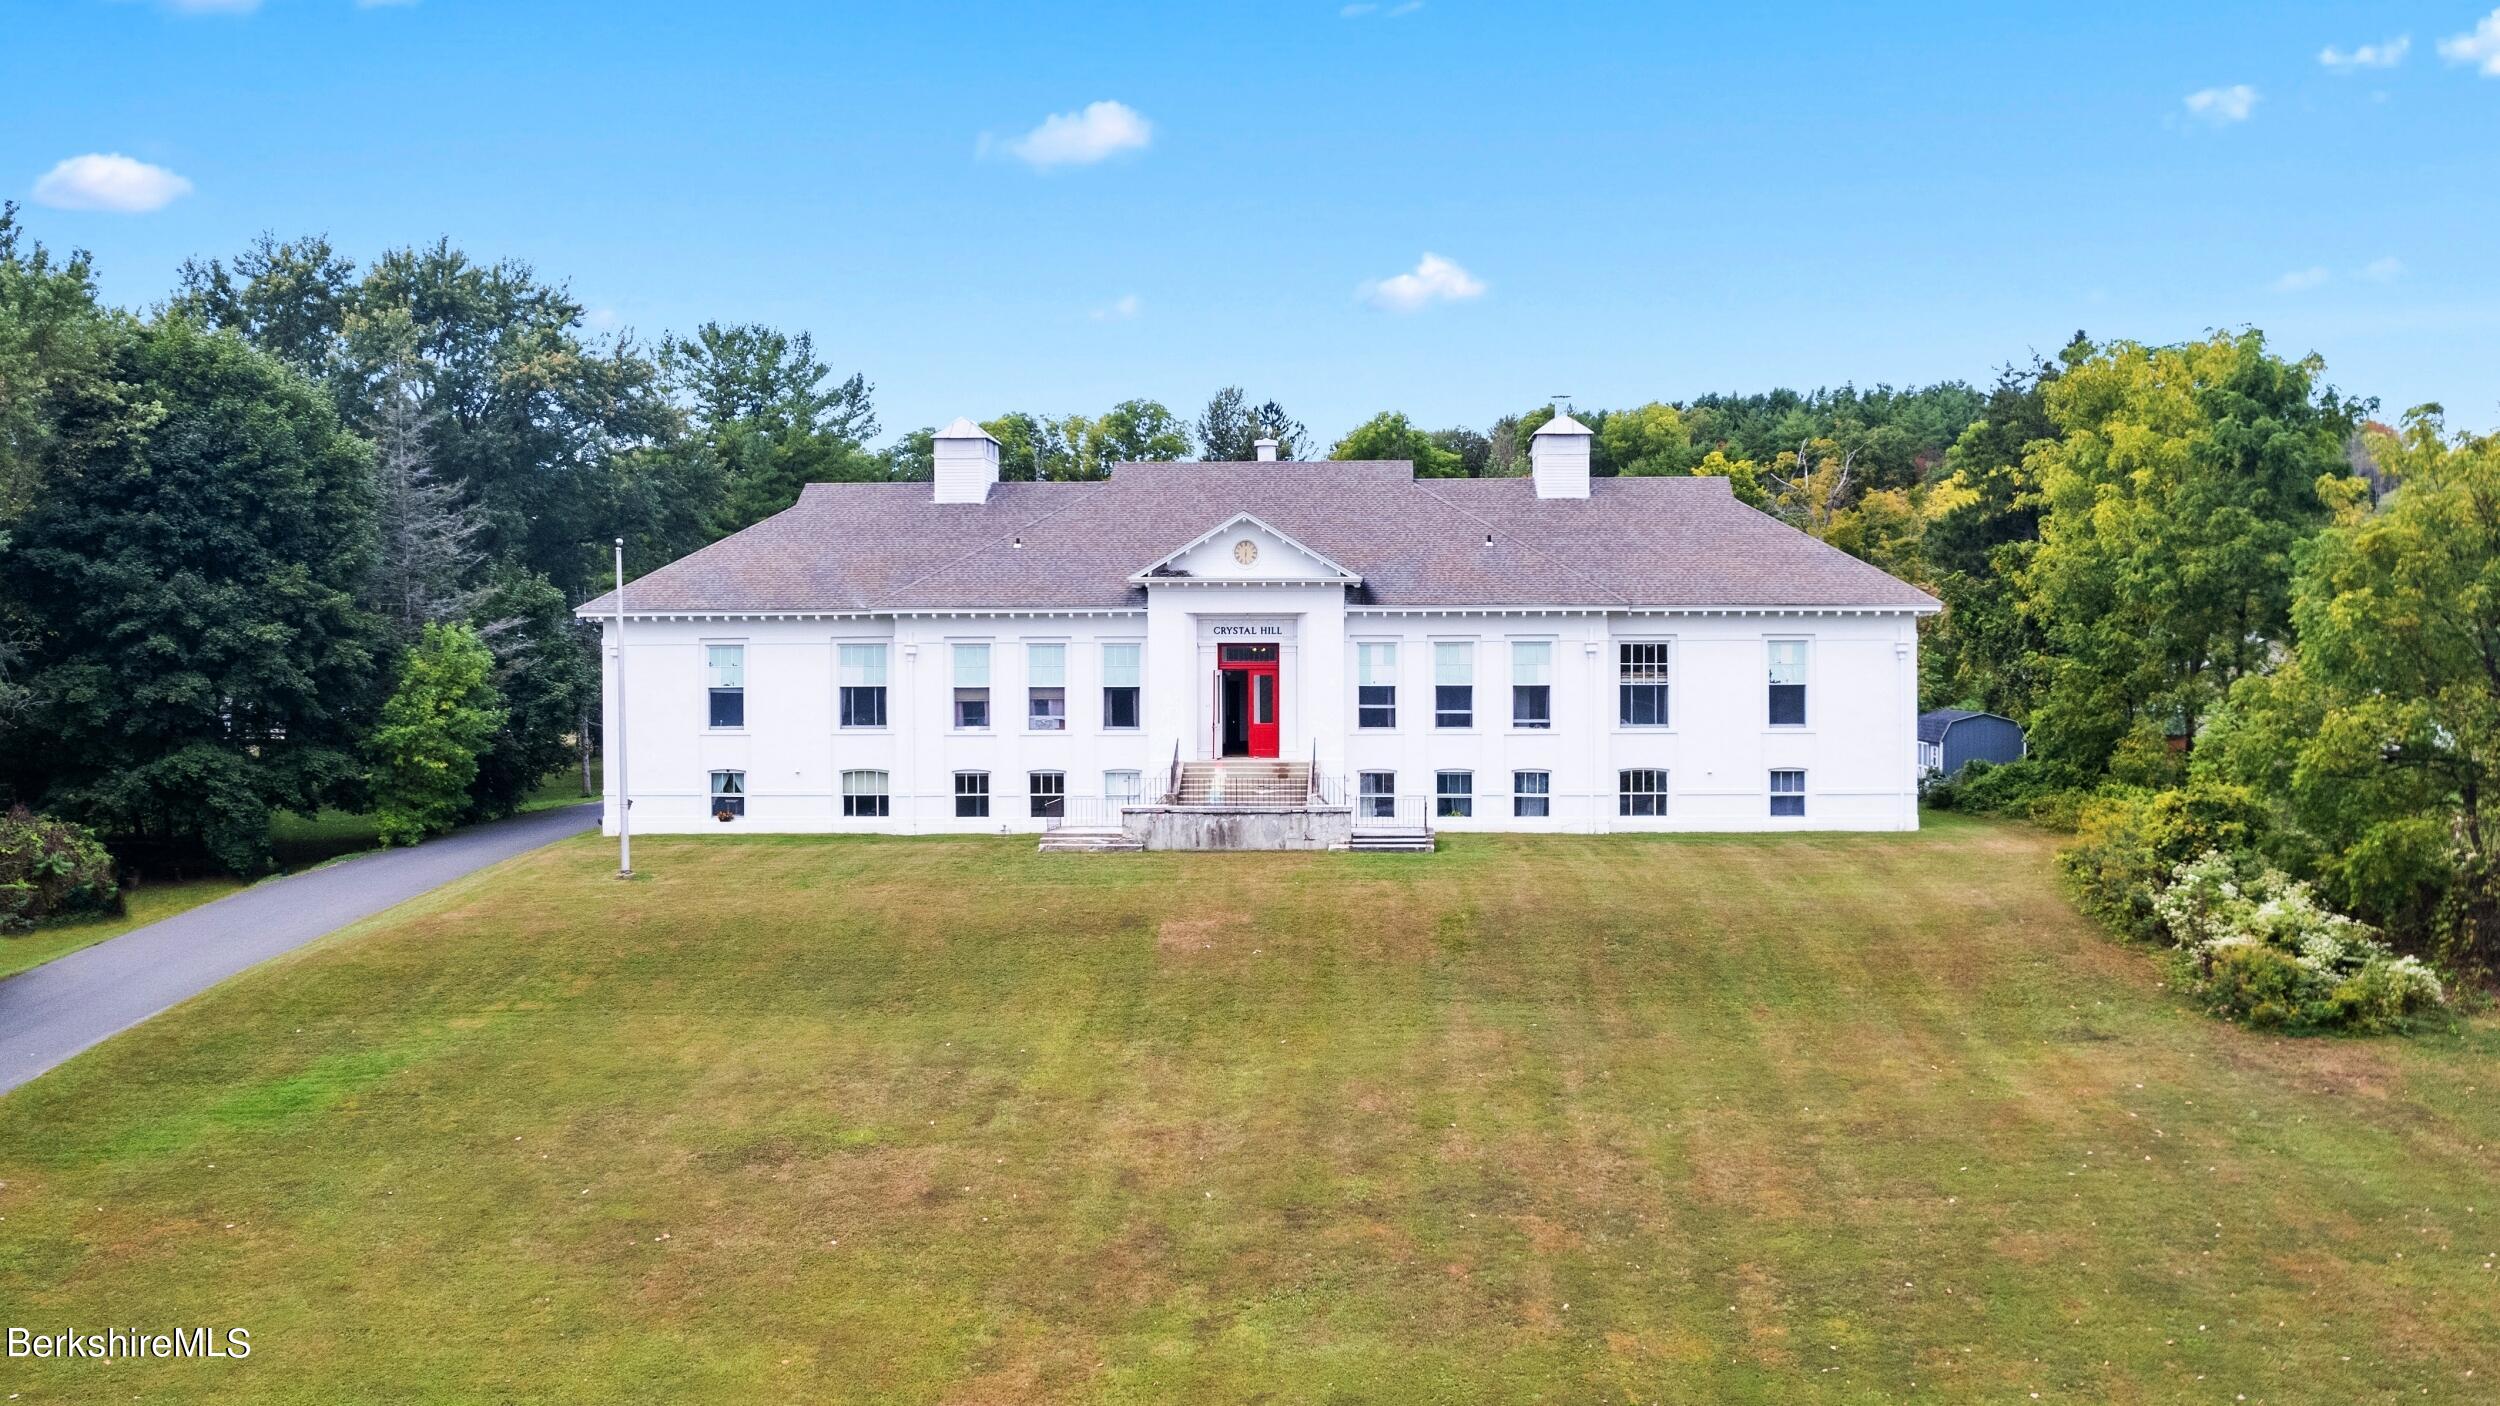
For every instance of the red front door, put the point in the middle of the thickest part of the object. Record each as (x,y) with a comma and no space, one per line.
(1247,698)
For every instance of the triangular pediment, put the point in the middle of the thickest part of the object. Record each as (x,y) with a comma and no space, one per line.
(1241,550)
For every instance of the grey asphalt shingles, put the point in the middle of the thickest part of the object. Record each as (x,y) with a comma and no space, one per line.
(72,1002)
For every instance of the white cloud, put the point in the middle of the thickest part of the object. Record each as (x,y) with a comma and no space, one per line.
(1081,138)
(2480,48)
(2386,55)
(2300,280)
(2386,270)
(1434,280)
(1120,309)
(109,181)
(2221,106)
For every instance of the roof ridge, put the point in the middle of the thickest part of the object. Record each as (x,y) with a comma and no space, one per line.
(1525,545)
(952,562)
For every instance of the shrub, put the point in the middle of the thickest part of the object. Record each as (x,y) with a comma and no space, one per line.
(2127,843)
(443,714)
(2029,787)
(50,868)
(2259,947)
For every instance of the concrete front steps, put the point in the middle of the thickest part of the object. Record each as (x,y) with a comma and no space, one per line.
(1244,781)
(1090,839)
(1238,803)
(1417,840)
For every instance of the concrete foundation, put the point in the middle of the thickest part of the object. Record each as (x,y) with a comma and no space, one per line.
(1280,827)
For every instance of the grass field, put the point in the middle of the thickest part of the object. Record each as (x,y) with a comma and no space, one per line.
(1797,1119)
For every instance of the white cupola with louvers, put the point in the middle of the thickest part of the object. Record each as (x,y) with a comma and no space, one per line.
(966,461)
(1558,458)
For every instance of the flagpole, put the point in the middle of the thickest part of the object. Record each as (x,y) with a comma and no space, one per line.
(624,799)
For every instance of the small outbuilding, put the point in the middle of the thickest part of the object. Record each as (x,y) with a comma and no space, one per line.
(1952,738)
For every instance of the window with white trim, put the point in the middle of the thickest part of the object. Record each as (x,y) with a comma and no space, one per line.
(1641,791)
(863,685)
(972,794)
(1532,683)
(1049,793)
(1642,683)
(1121,683)
(1046,688)
(1532,793)
(729,794)
(1788,793)
(725,675)
(1788,682)
(1453,683)
(1123,788)
(972,689)
(1454,794)
(864,794)
(1377,798)
(1376,684)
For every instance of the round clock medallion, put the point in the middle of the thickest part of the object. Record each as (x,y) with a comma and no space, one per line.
(1245,551)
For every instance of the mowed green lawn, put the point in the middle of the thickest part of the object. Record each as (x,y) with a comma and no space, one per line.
(1797,1119)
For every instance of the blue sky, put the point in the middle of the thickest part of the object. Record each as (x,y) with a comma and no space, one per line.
(1628,201)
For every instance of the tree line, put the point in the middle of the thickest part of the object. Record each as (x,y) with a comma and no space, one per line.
(308,534)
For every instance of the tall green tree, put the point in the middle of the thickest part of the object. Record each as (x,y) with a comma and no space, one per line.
(1983,522)
(771,415)
(1390,435)
(436,722)
(2180,483)
(1231,426)
(197,570)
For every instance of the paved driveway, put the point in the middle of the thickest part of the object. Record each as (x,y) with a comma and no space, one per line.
(71,1002)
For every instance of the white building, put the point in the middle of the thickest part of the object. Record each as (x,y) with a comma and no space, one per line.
(1542,653)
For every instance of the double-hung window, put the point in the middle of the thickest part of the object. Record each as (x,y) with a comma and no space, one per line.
(1120,684)
(1532,683)
(1454,793)
(1642,684)
(1049,791)
(1376,684)
(1453,684)
(1046,688)
(864,793)
(725,672)
(972,794)
(972,688)
(1788,793)
(1378,799)
(1641,791)
(1532,793)
(863,685)
(1788,683)
(729,794)
(1123,788)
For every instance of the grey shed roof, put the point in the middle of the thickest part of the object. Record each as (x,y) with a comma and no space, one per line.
(1933,725)
(879,547)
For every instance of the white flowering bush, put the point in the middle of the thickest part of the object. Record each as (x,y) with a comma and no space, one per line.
(2259,947)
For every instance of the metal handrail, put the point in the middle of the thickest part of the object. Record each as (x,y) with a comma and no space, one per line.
(1172,782)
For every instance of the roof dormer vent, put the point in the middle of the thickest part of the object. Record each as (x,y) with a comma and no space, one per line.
(965,459)
(1267,450)
(1558,458)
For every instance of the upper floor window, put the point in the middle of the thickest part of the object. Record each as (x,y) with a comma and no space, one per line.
(1121,680)
(1788,683)
(729,794)
(972,687)
(1642,682)
(863,685)
(1788,793)
(725,671)
(864,793)
(1376,684)
(1453,684)
(1532,683)
(1046,688)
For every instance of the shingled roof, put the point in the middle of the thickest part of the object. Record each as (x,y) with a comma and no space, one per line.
(1633,542)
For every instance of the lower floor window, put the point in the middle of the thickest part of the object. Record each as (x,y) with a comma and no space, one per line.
(1378,799)
(1454,793)
(972,794)
(1123,788)
(864,793)
(729,794)
(1531,792)
(1641,792)
(1049,790)
(1788,793)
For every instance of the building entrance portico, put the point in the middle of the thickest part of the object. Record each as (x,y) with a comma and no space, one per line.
(1246,692)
